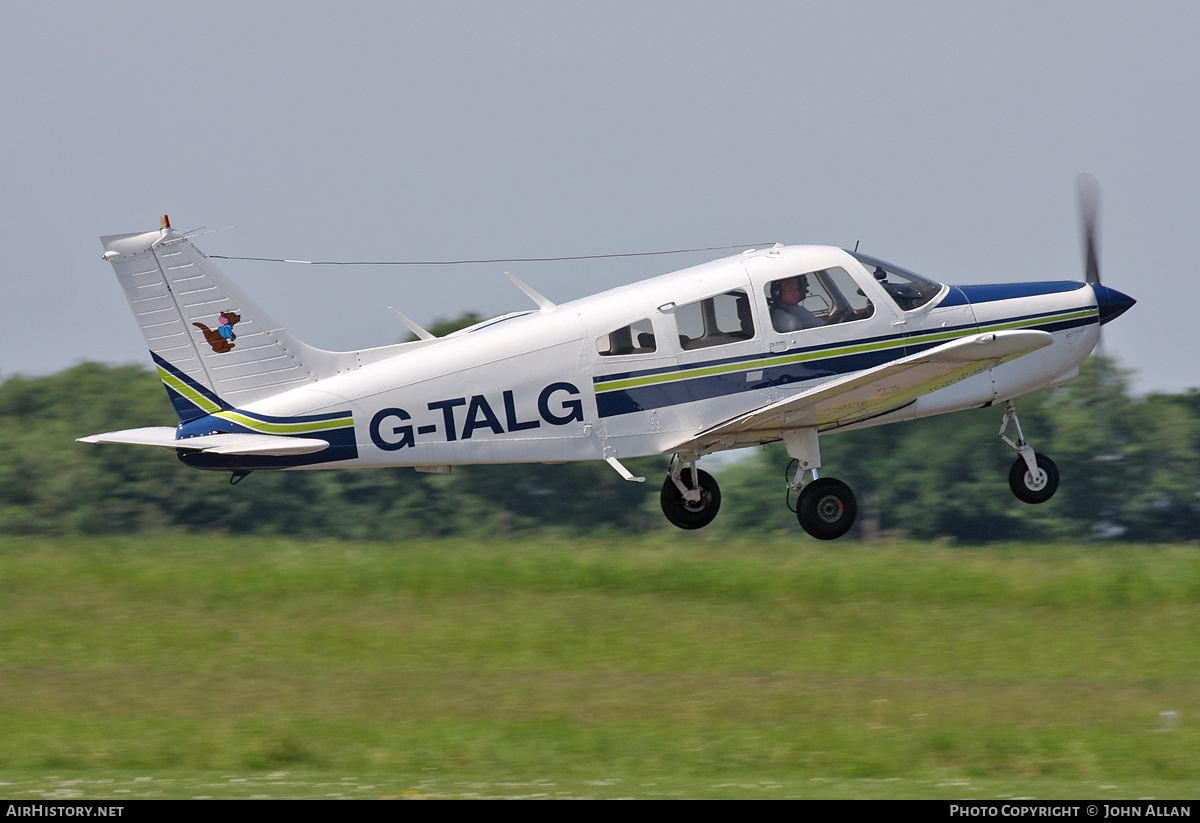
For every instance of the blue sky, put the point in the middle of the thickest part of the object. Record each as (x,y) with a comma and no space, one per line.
(942,136)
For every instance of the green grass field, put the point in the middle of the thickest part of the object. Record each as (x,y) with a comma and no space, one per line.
(187,666)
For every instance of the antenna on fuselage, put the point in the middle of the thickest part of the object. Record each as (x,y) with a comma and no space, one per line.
(543,303)
(413,327)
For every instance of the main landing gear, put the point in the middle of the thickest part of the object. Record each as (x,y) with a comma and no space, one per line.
(826,508)
(1033,478)
(690,498)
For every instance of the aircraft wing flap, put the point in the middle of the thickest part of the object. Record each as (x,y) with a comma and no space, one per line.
(247,444)
(872,392)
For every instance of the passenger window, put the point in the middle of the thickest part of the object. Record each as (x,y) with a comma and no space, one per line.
(636,338)
(818,298)
(715,321)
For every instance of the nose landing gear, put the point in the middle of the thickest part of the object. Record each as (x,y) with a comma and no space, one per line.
(1030,487)
(1033,478)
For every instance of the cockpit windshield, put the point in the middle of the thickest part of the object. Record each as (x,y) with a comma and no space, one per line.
(910,291)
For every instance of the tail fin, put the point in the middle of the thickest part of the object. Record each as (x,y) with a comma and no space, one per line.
(214,348)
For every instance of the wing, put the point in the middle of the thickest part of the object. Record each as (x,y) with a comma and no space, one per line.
(869,393)
(248,444)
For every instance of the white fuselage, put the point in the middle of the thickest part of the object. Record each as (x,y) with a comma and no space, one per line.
(536,387)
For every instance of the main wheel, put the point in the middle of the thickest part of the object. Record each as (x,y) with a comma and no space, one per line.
(685,514)
(1034,489)
(826,508)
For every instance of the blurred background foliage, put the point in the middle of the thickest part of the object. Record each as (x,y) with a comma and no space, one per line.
(1130,469)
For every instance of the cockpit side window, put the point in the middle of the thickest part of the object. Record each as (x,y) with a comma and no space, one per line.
(910,291)
(817,298)
(636,338)
(715,321)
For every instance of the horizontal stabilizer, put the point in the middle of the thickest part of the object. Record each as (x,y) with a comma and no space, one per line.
(869,393)
(152,436)
(246,444)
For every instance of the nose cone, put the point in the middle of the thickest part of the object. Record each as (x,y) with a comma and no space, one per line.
(1112,303)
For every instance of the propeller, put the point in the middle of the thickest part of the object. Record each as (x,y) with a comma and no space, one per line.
(1111,303)
(1088,190)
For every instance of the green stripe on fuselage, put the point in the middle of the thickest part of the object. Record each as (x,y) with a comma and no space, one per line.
(299,427)
(769,361)
(765,362)
(1054,318)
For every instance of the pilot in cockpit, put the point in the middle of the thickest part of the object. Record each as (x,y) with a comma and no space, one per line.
(786,312)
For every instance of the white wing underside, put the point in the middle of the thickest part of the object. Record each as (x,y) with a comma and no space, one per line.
(870,393)
(247,444)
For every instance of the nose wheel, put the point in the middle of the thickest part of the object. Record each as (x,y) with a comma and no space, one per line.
(1033,477)
(1034,487)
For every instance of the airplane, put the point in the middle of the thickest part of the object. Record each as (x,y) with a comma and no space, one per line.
(781,344)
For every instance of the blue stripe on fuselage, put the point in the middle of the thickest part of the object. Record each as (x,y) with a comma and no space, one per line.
(954,298)
(1007,291)
(342,446)
(186,409)
(645,398)
(684,390)
(749,359)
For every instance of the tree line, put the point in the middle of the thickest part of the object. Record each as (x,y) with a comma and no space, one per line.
(1130,469)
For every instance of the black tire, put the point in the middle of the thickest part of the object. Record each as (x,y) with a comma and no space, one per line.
(827,508)
(1021,481)
(691,515)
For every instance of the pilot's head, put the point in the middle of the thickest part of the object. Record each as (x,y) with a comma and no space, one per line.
(791,291)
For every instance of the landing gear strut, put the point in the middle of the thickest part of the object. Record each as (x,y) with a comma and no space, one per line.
(826,508)
(1033,478)
(690,498)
